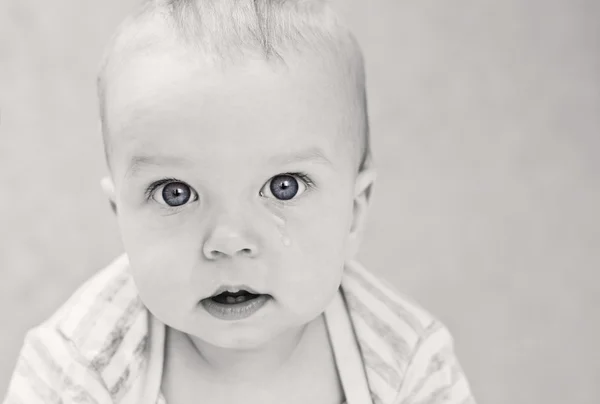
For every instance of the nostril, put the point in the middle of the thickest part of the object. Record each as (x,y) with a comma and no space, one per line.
(216,254)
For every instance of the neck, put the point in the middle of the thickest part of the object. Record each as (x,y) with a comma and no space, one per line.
(225,365)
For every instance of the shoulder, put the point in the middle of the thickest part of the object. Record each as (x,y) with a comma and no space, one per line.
(396,335)
(396,320)
(93,344)
(101,312)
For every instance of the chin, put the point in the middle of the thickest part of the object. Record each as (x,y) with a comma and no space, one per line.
(242,339)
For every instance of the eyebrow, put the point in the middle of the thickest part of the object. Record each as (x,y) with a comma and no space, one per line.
(137,162)
(313,154)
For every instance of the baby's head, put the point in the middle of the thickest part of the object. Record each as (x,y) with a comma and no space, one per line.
(236,134)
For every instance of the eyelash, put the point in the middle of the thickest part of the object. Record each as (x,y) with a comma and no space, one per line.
(155,185)
(303,176)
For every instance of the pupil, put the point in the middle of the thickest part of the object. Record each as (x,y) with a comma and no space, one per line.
(284,187)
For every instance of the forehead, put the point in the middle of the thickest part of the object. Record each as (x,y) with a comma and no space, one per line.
(160,103)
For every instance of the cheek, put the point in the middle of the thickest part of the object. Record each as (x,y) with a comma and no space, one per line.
(161,258)
(322,231)
(149,234)
(314,264)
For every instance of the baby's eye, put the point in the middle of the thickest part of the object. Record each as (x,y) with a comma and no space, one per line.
(174,194)
(284,187)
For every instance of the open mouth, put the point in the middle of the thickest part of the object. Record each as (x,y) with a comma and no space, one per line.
(234,303)
(241,296)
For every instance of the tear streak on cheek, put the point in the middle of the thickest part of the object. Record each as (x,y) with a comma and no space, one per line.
(281,223)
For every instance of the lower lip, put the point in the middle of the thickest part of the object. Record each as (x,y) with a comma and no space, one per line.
(237,311)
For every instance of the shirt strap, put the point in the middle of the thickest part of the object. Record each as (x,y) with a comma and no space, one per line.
(347,352)
(156,352)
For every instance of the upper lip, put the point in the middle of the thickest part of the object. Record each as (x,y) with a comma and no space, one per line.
(234,289)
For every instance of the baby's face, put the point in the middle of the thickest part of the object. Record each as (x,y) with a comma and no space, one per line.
(243,179)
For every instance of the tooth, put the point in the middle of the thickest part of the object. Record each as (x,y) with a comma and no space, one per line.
(230,299)
(240,299)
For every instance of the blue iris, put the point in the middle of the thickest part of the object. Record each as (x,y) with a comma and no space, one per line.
(284,187)
(176,194)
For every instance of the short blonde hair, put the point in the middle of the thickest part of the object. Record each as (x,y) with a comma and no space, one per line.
(228,31)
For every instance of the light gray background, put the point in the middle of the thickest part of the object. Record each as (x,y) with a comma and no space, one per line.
(485,119)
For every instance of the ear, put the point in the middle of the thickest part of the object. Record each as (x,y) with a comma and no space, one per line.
(362,199)
(108,188)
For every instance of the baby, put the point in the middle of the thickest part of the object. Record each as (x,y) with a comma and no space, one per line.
(237,141)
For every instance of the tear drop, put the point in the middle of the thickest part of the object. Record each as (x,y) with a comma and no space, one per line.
(286,240)
(280,221)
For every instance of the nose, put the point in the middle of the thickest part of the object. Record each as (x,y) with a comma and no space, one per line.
(228,240)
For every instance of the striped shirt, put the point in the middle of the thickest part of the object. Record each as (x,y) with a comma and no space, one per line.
(95,348)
